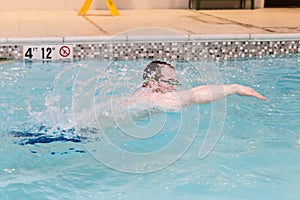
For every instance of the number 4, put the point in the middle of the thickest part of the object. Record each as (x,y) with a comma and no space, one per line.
(28,53)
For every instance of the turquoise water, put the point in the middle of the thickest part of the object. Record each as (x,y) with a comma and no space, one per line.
(51,114)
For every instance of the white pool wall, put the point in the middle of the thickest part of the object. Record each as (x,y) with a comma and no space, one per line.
(121,4)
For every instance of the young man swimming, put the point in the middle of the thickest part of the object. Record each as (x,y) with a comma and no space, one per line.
(160,84)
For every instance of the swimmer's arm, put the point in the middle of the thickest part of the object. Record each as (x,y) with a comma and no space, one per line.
(209,93)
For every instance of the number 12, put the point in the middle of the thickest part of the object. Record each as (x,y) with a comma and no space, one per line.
(48,51)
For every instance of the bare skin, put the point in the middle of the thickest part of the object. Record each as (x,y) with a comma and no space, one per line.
(165,95)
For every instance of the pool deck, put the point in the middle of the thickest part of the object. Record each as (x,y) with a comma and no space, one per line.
(21,25)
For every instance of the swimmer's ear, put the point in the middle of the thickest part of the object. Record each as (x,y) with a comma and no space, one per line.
(148,82)
(151,83)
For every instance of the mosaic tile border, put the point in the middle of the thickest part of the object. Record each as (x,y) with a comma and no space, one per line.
(186,51)
(180,48)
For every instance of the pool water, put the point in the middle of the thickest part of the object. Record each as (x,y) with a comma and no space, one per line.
(51,146)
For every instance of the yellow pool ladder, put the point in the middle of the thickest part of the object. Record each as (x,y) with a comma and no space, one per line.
(110,4)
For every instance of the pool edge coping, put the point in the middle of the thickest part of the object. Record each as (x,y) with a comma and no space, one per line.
(149,38)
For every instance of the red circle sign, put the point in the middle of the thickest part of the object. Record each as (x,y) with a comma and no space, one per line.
(64,51)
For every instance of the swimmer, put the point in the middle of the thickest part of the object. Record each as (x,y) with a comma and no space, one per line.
(160,89)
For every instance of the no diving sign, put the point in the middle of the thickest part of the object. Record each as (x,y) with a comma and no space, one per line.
(48,52)
(64,51)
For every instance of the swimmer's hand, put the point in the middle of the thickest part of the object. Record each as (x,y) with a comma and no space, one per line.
(247,91)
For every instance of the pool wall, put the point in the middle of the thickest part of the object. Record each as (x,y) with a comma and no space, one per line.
(173,47)
(121,4)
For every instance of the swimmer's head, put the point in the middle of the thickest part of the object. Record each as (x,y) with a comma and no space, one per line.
(160,72)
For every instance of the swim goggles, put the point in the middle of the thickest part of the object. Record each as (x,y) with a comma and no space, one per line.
(171,81)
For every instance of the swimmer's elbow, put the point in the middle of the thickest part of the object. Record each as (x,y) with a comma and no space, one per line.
(191,97)
(200,95)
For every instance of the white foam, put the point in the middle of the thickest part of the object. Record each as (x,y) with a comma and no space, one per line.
(9,171)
